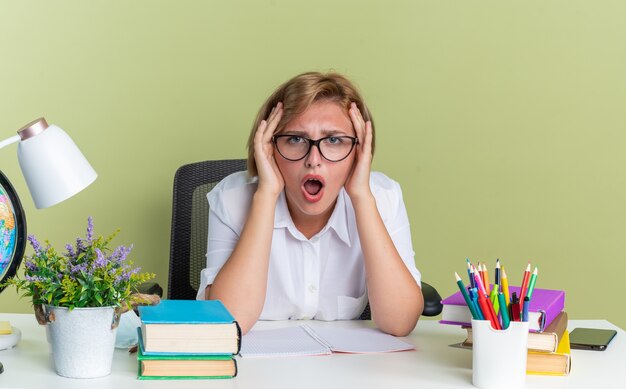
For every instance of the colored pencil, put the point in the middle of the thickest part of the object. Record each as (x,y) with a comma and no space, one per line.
(486,279)
(524,285)
(479,285)
(531,284)
(469,303)
(505,287)
(470,273)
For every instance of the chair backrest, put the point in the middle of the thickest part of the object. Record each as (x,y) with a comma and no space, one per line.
(190,220)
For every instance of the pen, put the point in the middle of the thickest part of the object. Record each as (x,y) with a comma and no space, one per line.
(465,296)
(525,309)
(524,286)
(497,275)
(531,285)
(503,311)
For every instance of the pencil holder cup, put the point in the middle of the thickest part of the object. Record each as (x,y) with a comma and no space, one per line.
(499,356)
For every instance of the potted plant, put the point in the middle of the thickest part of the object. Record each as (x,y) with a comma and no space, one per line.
(79,295)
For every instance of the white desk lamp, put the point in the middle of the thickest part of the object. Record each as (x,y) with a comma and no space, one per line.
(55,170)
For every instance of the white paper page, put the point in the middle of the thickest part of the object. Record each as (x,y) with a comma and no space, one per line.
(360,340)
(280,342)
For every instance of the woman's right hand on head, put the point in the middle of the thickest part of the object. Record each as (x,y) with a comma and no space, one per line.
(270,179)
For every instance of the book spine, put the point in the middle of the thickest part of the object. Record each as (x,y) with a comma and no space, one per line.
(239,336)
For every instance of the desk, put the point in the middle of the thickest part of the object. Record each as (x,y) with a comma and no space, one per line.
(433,364)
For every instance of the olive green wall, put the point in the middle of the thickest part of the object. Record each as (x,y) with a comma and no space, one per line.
(503,121)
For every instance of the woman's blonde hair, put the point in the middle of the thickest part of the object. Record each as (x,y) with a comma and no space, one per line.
(299,93)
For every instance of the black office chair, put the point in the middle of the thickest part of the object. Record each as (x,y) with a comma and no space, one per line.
(190,219)
(190,222)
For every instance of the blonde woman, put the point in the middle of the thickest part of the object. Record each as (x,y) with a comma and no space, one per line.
(309,232)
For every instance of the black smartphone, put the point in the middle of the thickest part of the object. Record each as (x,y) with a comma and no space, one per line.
(590,338)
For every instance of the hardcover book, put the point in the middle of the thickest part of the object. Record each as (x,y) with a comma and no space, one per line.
(157,367)
(189,326)
(544,306)
(556,363)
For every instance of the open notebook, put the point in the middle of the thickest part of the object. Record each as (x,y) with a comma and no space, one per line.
(317,340)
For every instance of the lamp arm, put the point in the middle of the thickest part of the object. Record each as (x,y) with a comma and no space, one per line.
(11,140)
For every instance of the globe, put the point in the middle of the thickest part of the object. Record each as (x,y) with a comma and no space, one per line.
(12,230)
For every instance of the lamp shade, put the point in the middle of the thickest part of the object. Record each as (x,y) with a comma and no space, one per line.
(54,168)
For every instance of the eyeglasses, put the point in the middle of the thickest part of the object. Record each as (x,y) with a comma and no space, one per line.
(332,148)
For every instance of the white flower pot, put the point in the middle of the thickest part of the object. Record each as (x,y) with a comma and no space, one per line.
(82,341)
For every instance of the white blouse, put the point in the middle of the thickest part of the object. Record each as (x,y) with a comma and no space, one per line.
(322,277)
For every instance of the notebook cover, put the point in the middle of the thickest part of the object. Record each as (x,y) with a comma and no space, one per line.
(185,311)
(549,302)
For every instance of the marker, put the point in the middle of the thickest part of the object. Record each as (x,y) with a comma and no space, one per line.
(503,311)
(487,310)
(505,287)
(525,309)
(493,297)
(474,297)
(531,284)
(514,313)
(492,312)
(465,296)
(524,286)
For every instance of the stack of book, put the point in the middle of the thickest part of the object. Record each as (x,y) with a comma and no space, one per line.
(187,339)
(548,339)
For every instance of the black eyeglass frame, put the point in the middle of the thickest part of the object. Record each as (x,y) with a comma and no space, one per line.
(315,142)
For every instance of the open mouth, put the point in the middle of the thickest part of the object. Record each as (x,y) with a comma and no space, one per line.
(313,188)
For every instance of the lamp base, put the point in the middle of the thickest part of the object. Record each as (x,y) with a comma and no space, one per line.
(10,340)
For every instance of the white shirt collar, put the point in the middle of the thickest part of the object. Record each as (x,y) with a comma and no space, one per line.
(338,220)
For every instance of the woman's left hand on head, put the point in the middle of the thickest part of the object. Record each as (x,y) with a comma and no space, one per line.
(358,183)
